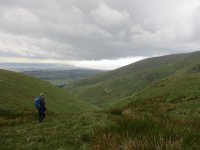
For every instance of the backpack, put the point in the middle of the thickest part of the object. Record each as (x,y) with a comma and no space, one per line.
(37,103)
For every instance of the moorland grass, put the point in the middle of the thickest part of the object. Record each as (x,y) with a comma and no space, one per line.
(117,129)
(146,132)
(58,131)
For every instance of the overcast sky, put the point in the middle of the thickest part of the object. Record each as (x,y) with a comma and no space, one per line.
(103,34)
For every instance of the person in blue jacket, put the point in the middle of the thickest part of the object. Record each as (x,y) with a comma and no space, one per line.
(42,109)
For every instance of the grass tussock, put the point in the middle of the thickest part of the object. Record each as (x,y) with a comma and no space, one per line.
(146,132)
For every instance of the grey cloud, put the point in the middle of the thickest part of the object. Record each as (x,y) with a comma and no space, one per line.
(109,17)
(95,29)
(196,25)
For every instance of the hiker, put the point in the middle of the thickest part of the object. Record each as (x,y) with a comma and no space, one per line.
(40,105)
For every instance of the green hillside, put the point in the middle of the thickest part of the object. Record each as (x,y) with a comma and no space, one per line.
(178,95)
(18,92)
(109,88)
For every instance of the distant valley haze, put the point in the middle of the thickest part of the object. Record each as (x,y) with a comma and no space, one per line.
(95,34)
(19,67)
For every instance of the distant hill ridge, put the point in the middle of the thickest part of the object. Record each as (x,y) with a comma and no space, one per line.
(108,88)
(50,74)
